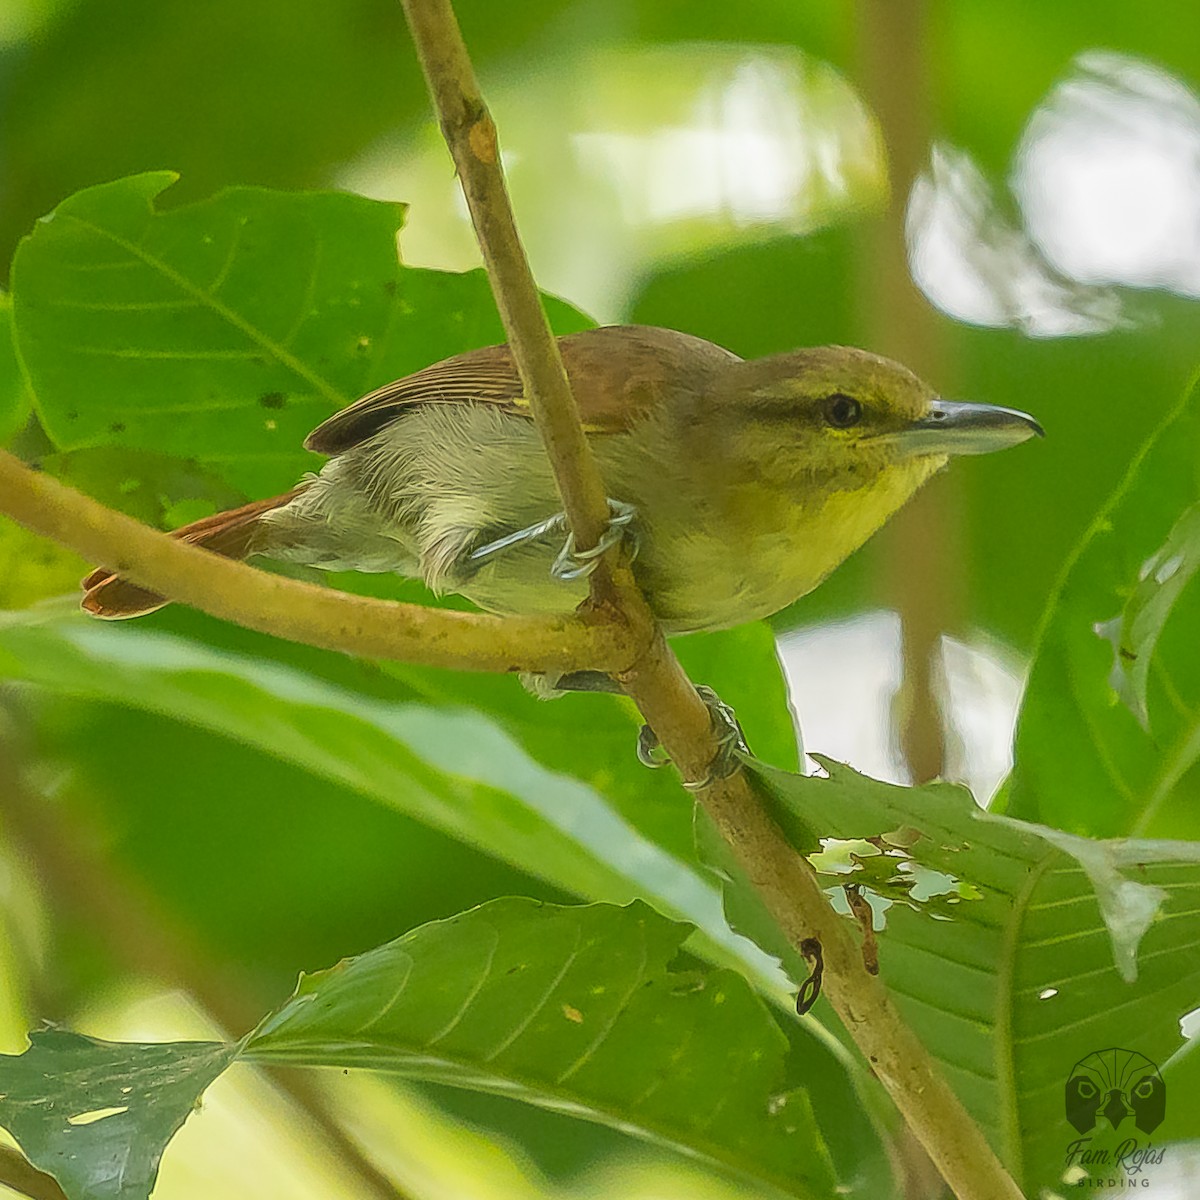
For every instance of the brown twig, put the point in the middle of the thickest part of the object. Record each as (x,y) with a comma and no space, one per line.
(303,612)
(919,549)
(655,680)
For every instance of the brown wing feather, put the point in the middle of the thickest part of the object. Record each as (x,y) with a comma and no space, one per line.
(618,373)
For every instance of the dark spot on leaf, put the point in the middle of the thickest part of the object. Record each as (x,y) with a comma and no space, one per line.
(116,427)
(72,415)
(1127,654)
(272,400)
(389,286)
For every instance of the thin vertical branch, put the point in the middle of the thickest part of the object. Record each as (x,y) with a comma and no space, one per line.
(922,545)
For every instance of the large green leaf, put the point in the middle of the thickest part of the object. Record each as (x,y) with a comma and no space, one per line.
(449,767)
(224,331)
(1056,946)
(589,736)
(1123,622)
(577,1009)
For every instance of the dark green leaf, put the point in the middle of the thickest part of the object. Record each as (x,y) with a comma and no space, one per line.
(449,767)
(97,1115)
(576,1009)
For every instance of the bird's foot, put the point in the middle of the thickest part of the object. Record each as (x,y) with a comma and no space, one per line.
(569,563)
(731,741)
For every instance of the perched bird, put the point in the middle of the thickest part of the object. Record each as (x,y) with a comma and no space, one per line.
(742,484)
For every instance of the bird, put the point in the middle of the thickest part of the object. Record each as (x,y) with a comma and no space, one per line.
(740,484)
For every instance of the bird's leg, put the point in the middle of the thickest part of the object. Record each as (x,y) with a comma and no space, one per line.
(731,741)
(531,533)
(569,563)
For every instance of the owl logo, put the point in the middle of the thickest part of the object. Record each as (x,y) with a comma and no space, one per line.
(1118,1084)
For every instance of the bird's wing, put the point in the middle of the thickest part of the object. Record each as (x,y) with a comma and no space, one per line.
(618,375)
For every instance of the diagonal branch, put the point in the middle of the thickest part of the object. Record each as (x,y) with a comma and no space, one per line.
(302,612)
(655,680)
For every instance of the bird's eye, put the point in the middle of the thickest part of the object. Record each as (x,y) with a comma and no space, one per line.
(842,411)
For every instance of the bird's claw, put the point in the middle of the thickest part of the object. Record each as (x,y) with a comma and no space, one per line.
(571,564)
(731,741)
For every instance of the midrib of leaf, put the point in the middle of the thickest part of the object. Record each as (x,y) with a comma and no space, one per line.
(377,1057)
(276,349)
(1006,1073)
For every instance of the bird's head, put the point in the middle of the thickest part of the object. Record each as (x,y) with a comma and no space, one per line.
(831,422)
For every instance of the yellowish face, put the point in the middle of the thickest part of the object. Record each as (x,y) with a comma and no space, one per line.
(831,426)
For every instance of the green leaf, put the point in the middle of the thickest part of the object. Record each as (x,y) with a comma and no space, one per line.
(1084,761)
(582,1010)
(573,1009)
(224,331)
(97,1115)
(741,664)
(1164,576)
(1071,945)
(14,391)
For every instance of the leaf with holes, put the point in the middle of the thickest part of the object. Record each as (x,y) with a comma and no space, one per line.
(226,330)
(583,1010)
(96,1115)
(1068,946)
(1109,736)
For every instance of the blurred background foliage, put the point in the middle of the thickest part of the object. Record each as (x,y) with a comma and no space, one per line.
(728,170)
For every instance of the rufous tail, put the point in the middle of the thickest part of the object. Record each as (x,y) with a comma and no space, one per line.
(231,534)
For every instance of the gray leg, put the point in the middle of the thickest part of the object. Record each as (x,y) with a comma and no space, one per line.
(569,563)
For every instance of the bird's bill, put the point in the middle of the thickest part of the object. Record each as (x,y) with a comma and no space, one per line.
(954,427)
